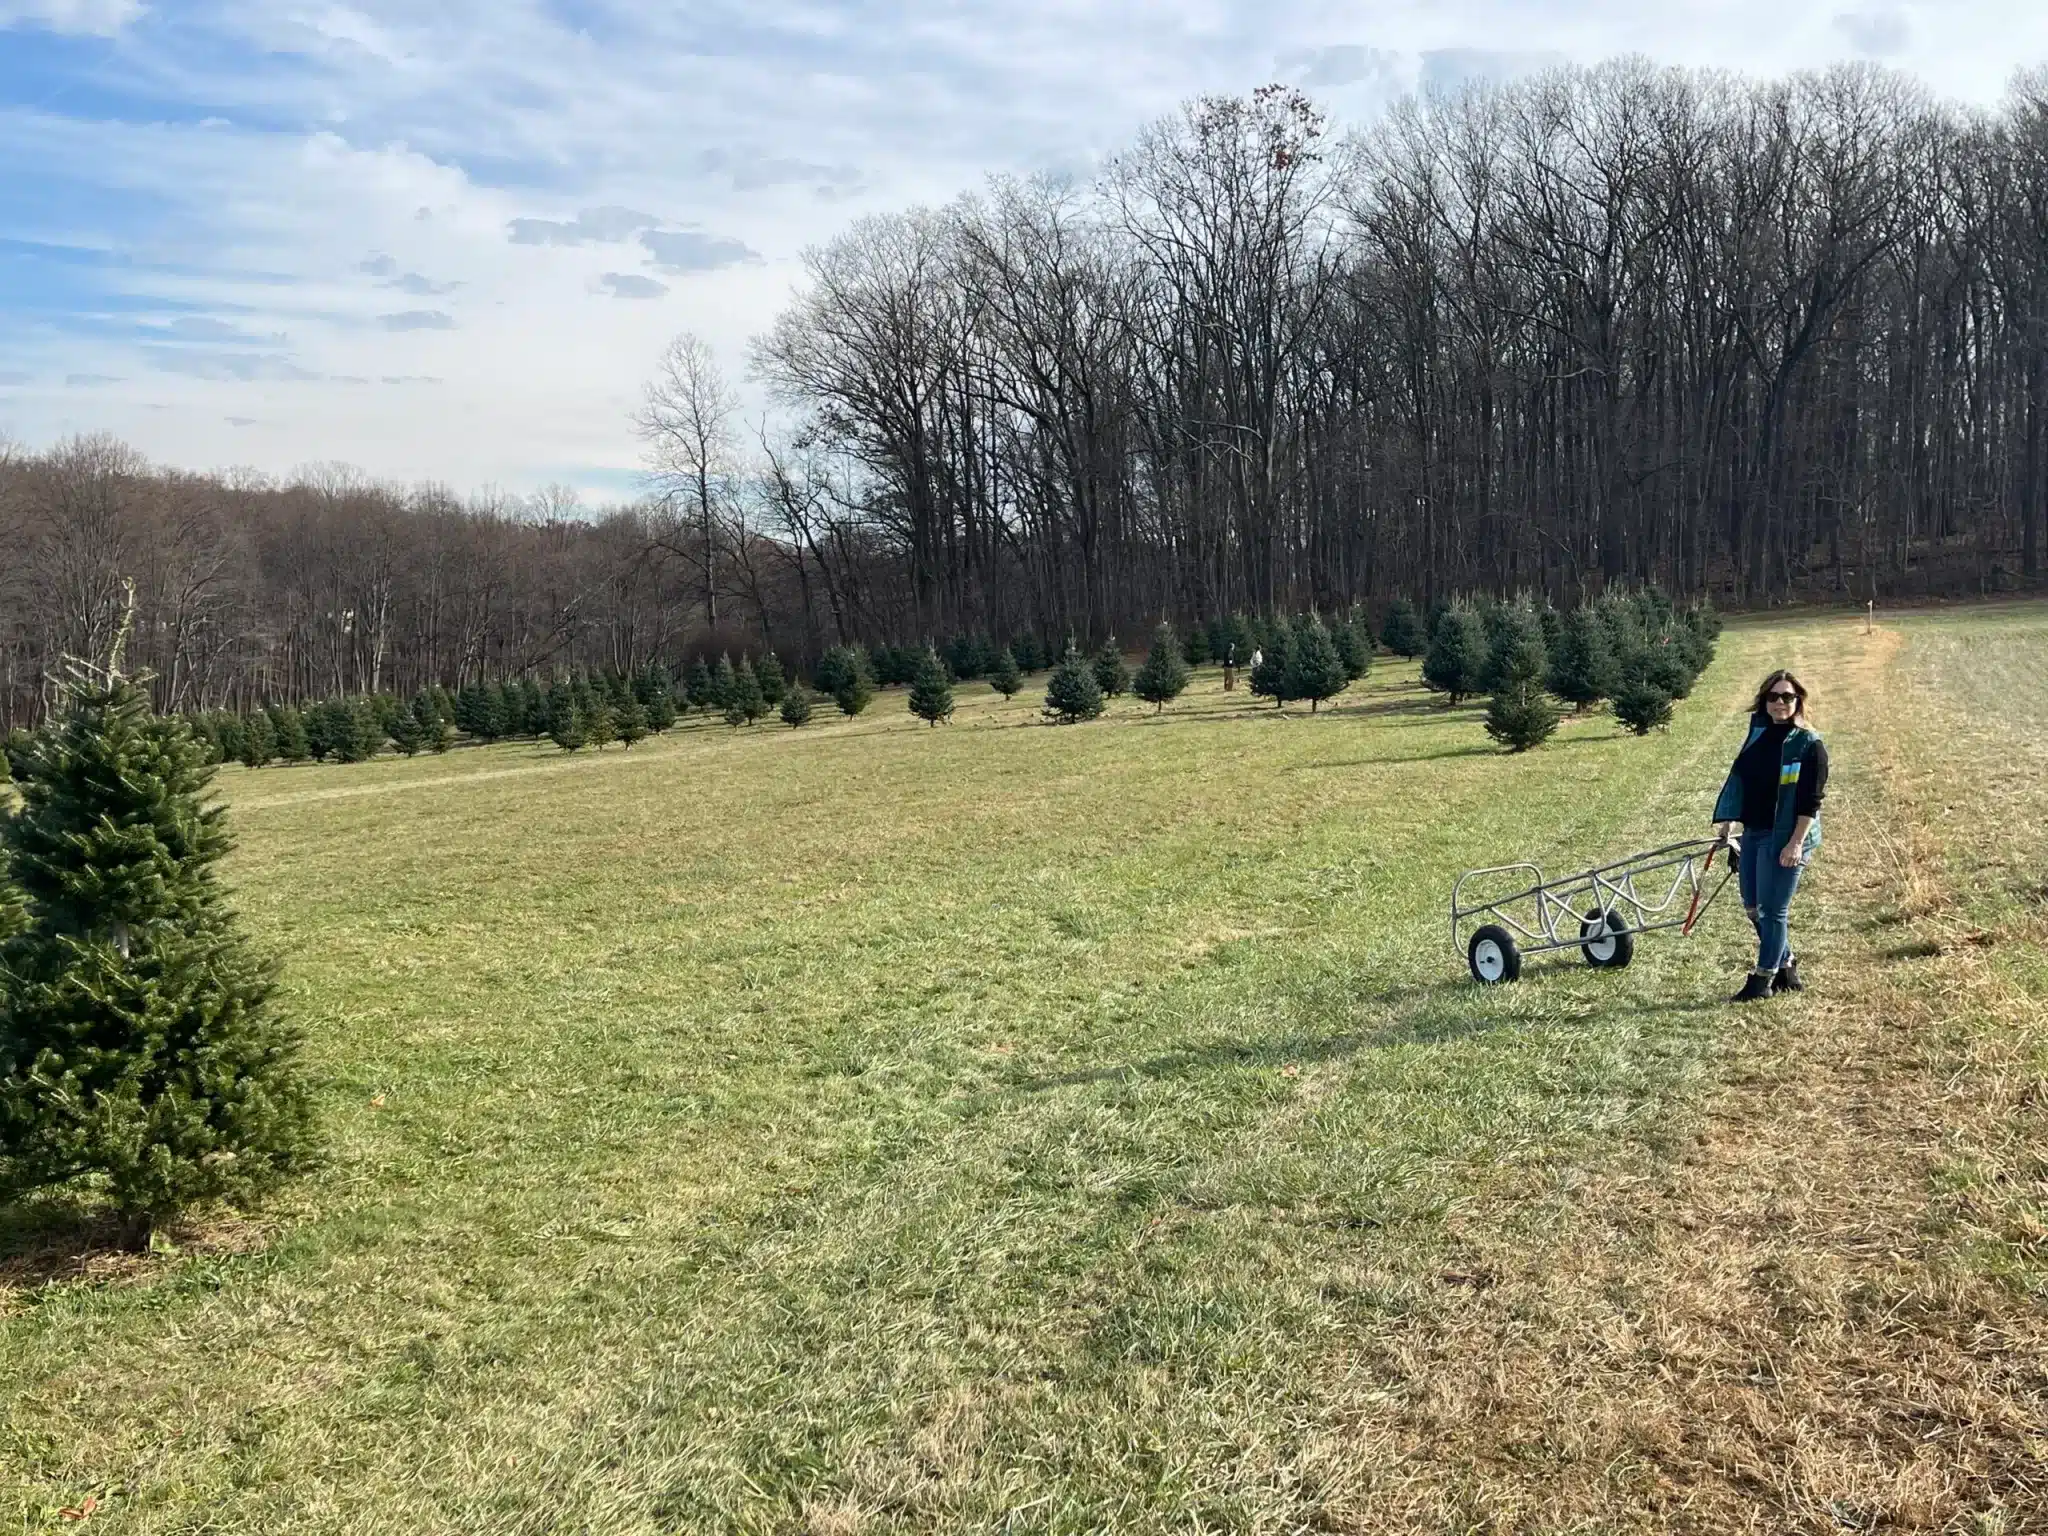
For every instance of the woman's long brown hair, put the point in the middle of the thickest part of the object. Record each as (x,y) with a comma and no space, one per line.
(1777,677)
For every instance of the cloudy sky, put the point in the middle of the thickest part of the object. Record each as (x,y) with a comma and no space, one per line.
(446,241)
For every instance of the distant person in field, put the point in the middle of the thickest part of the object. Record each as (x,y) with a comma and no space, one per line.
(1773,794)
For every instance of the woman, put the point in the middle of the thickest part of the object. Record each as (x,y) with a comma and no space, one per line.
(1774,792)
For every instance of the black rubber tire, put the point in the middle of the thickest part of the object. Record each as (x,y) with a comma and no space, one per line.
(1494,956)
(1614,948)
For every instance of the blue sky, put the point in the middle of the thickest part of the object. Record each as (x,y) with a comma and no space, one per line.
(448,241)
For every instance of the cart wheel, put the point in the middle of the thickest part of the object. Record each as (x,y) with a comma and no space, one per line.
(1606,942)
(1493,956)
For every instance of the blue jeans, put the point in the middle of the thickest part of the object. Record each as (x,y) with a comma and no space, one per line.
(1767,888)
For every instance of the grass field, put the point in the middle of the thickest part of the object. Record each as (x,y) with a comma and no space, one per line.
(1015,1128)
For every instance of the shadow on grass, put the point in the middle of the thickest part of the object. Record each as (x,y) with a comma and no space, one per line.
(1433,1026)
(48,1242)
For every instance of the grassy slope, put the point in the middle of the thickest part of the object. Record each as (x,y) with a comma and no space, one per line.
(879,1128)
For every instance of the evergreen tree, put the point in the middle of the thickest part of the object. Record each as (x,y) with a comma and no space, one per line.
(1354,648)
(1274,675)
(141,1061)
(832,670)
(406,733)
(725,683)
(600,726)
(533,708)
(565,720)
(658,696)
(931,696)
(856,687)
(1581,666)
(1642,707)
(437,734)
(702,690)
(259,740)
(1004,676)
(1194,650)
(768,673)
(1072,694)
(630,721)
(290,730)
(1164,676)
(1514,646)
(796,705)
(1315,670)
(1030,655)
(228,737)
(745,700)
(360,732)
(1111,675)
(319,721)
(1457,655)
(1521,715)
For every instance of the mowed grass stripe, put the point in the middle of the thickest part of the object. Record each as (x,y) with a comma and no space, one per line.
(875,1119)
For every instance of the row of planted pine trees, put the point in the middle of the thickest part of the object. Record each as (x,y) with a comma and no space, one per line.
(1633,647)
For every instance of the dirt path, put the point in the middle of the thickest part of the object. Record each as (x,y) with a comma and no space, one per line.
(1776,1331)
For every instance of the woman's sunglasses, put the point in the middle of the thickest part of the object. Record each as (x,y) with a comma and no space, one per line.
(1781,698)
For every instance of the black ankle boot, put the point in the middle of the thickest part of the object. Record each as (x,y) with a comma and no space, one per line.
(1787,979)
(1758,985)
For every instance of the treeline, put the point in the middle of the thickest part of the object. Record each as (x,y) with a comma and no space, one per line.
(1601,327)
(1607,325)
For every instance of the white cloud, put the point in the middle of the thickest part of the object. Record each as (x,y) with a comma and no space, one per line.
(532,166)
(418,320)
(629,285)
(96,18)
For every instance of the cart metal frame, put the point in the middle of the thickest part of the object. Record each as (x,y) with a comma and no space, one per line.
(1604,907)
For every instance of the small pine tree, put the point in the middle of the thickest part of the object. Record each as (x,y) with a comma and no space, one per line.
(1514,646)
(856,684)
(1274,675)
(832,670)
(768,673)
(1029,654)
(1194,649)
(744,704)
(702,689)
(227,736)
(259,740)
(362,729)
(658,698)
(566,728)
(1581,666)
(630,721)
(1111,675)
(1164,676)
(1072,693)
(1521,716)
(1315,670)
(1457,655)
(1401,631)
(1004,676)
(725,683)
(931,696)
(1354,648)
(1642,707)
(796,705)
(600,726)
(290,730)
(405,733)
(436,733)
(141,1061)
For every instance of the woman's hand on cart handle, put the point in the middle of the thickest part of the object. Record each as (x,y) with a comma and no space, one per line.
(1732,841)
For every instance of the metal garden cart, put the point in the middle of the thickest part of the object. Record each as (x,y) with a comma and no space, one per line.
(1599,912)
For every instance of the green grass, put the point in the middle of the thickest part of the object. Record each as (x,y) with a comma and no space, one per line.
(875,1128)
